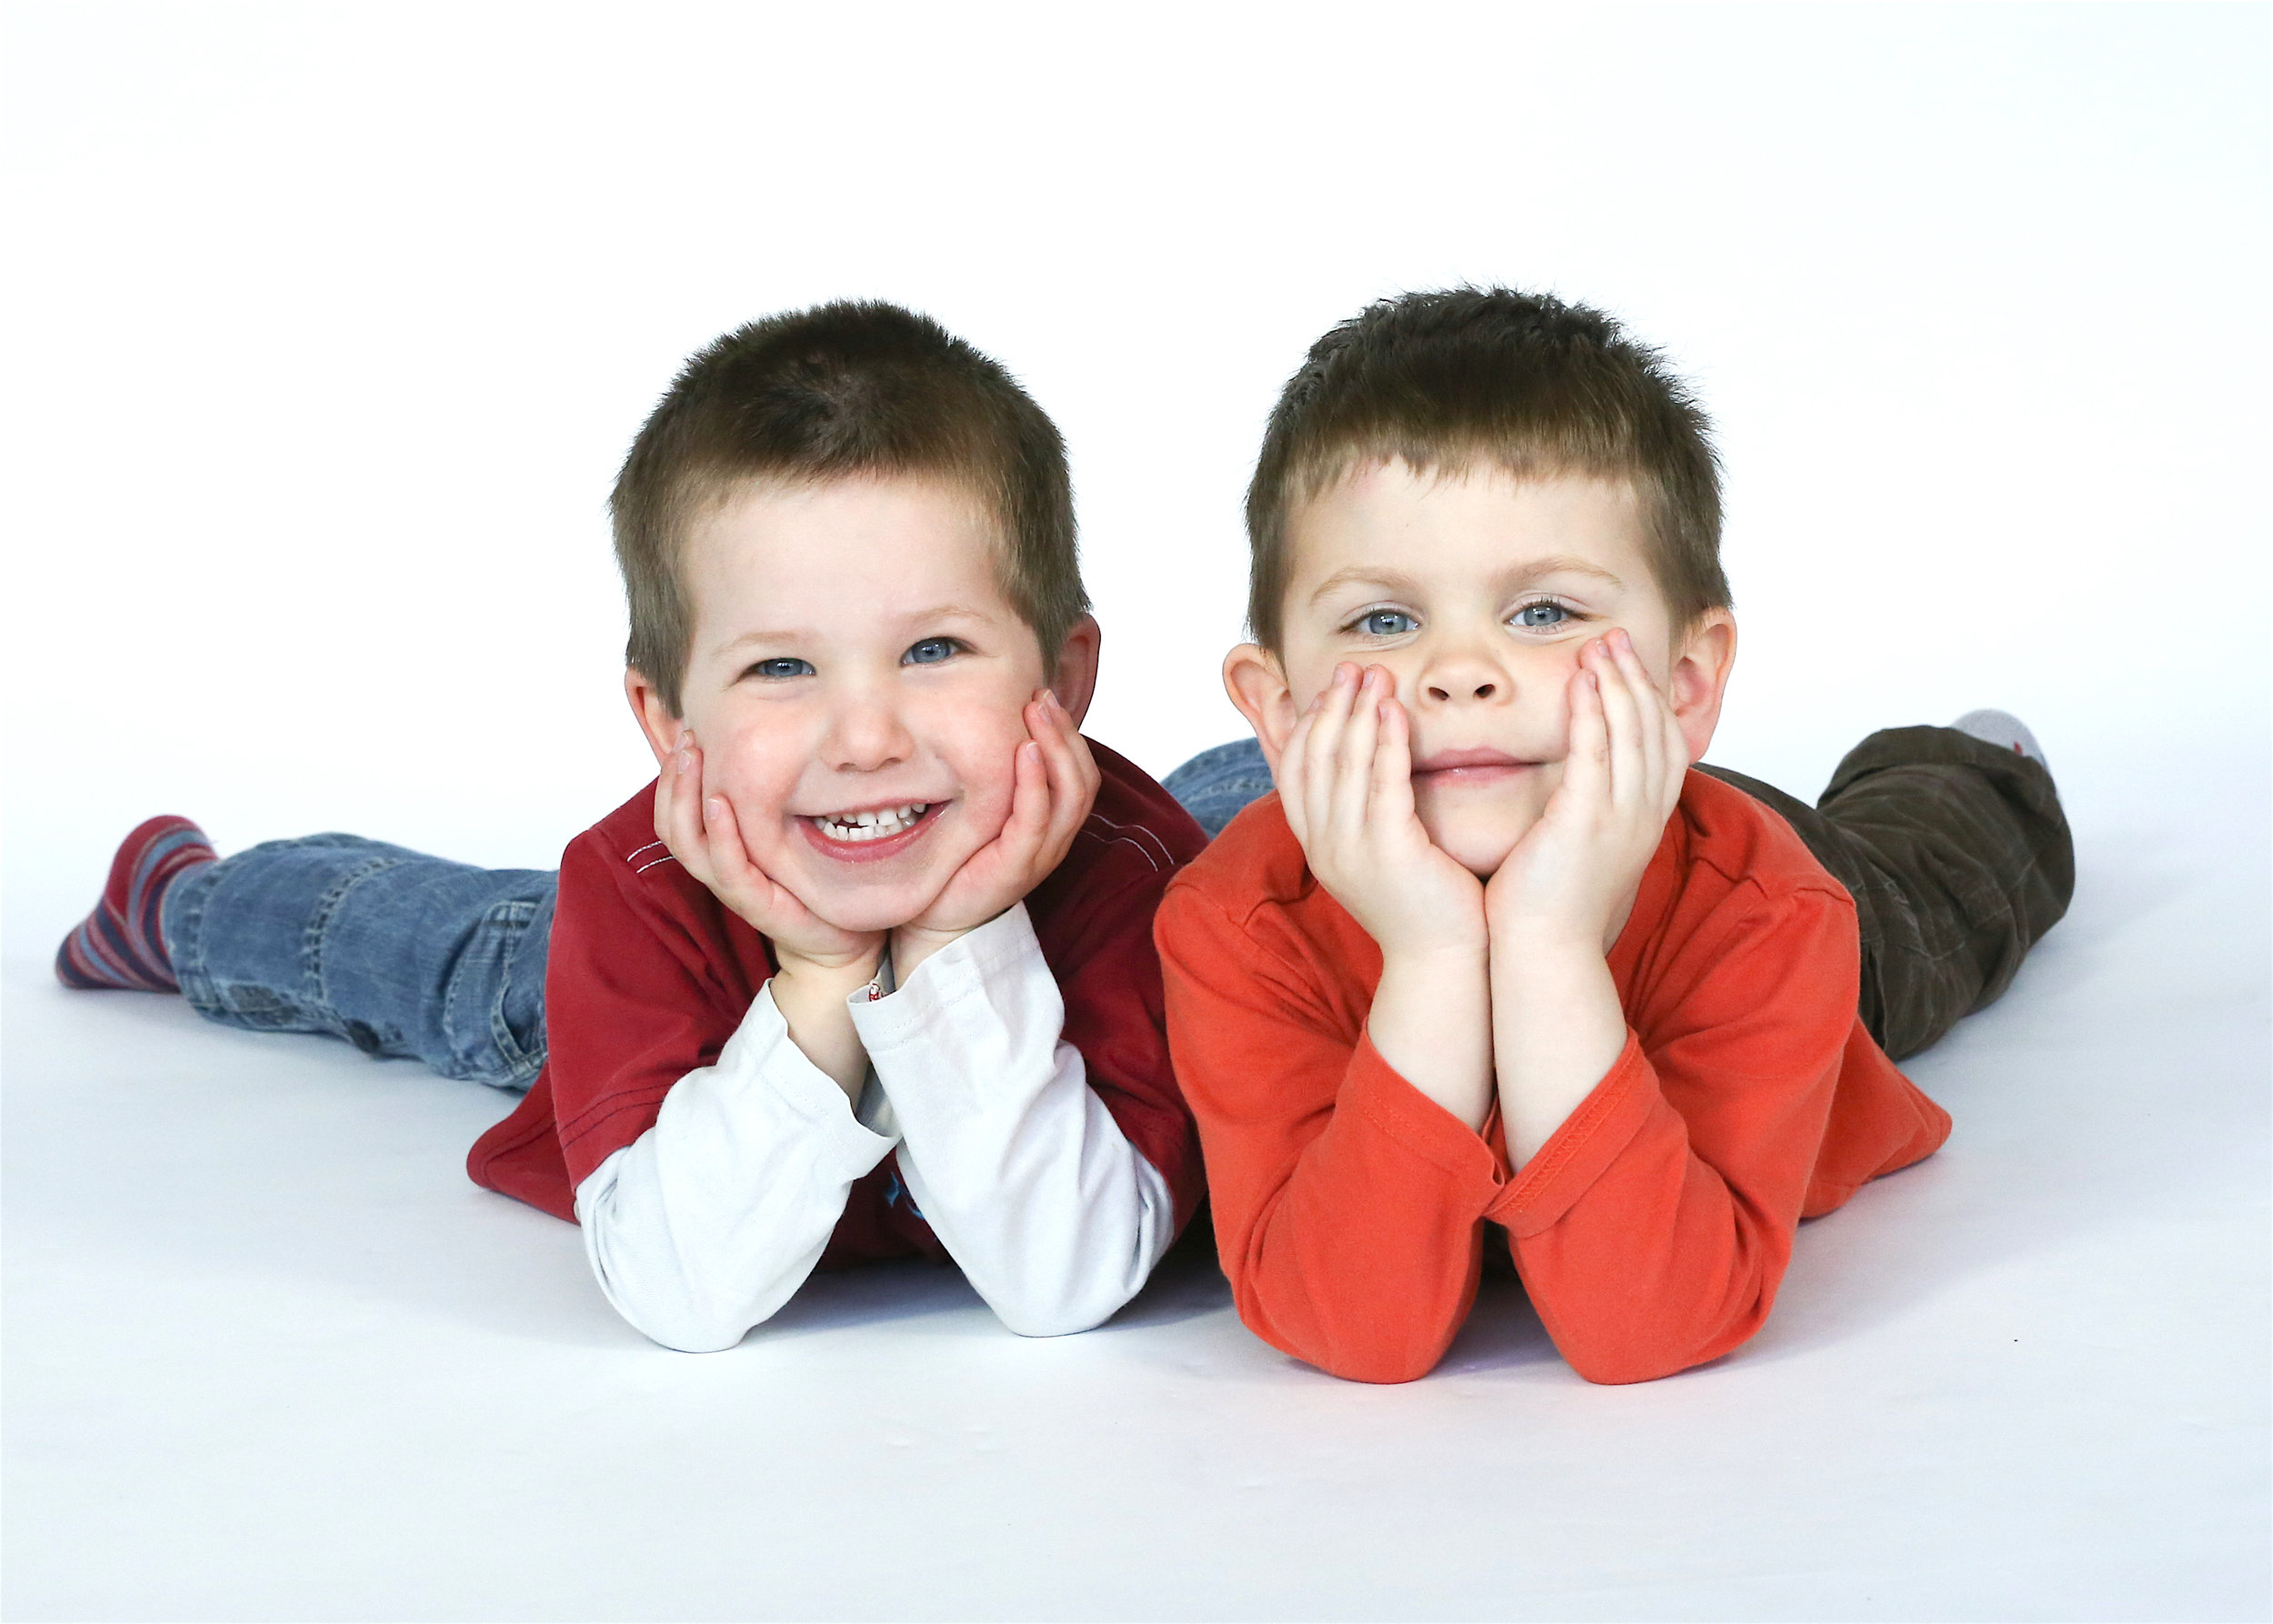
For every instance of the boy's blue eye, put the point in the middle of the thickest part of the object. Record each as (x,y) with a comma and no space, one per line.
(1387,622)
(929,652)
(779,670)
(1540,615)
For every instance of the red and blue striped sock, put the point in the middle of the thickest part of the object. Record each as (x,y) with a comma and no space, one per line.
(120,944)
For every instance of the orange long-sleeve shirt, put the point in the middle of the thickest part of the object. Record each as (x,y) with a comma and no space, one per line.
(1652,1229)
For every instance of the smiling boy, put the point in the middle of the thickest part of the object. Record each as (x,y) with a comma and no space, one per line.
(868,970)
(1493,953)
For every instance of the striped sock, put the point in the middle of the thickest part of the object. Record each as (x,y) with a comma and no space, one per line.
(119,944)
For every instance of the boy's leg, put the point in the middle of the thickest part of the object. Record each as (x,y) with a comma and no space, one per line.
(1958,858)
(402,955)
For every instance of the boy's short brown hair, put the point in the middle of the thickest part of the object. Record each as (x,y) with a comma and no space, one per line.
(840,391)
(1489,377)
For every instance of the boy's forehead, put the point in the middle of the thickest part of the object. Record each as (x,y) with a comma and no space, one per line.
(867,537)
(1465,520)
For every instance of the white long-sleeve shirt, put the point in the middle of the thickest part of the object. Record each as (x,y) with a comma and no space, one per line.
(707,1222)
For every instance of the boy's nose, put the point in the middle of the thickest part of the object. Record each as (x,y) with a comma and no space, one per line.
(866,736)
(1462,676)
(1480,690)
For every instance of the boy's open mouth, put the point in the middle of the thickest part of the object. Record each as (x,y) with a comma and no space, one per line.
(872,832)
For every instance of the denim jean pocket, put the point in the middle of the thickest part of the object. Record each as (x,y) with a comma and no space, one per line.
(478,1001)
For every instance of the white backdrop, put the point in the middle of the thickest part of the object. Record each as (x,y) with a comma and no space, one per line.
(326,327)
(330,325)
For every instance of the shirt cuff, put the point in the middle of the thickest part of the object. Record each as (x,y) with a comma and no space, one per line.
(1377,1093)
(998,966)
(1582,1150)
(762,1052)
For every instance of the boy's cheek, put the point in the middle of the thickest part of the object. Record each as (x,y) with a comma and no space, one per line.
(987,807)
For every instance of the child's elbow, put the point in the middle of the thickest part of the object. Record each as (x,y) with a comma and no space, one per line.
(1380,1372)
(1057,1314)
(1646,1354)
(687,1333)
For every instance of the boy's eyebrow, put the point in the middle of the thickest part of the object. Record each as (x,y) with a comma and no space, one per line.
(1364,575)
(790,634)
(951,612)
(1513,580)
(1538,569)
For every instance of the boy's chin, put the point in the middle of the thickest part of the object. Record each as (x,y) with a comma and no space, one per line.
(871,908)
(875,901)
(1479,850)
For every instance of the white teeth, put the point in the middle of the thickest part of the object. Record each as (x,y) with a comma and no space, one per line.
(871,826)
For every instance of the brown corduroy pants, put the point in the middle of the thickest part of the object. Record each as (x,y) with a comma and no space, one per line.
(1959,859)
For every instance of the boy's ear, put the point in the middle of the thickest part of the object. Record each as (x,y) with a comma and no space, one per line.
(1076,682)
(1256,683)
(656,719)
(1699,678)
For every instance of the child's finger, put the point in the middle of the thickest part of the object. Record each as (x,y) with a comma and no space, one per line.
(729,859)
(1073,770)
(1353,768)
(740,882)
(1029,818)
(1392,799)
(1291,778)
(1650,704)
(1073,779)
(1587,766)
(683,832)
(1676,756)
(1622,718)
(1323,755)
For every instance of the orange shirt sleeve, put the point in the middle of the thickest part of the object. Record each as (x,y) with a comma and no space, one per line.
(1348,1206)
(1652,1229)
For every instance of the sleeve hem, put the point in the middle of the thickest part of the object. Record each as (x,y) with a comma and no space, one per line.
(764,1054)
(1567,1165)
(1004,947)
(1380,1094)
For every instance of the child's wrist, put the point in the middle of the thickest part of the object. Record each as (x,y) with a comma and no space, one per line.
(1446,962)
(828,970)
(913,944)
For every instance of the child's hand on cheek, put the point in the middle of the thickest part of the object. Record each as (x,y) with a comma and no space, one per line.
(1570,879)
(701,832)
(1055,784)
(1345,784)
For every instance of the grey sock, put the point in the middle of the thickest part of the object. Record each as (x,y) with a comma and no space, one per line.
(2003,730)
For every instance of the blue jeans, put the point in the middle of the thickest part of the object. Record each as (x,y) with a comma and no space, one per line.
(416,957)
(1216,784)
(405,956)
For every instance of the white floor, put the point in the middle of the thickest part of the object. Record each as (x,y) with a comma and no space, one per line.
(269,1354)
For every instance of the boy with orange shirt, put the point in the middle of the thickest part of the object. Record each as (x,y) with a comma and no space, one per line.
(1494,951)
